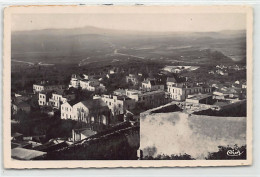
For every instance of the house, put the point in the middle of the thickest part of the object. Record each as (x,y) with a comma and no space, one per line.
(176,70)
(118,104)
(43,98)
(91,111)
(60,97)
(151,85)
(92,85)
(20,106)
(86,82)
(181,91)
(66,109)
(80,134)
(170,81)
(211,72)
(244,85)
(119,92)
(74,81)
(131,78)
(148,99)
(237,82)
(46,86)
(223,73)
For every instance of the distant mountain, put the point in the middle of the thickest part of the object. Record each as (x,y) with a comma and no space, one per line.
(75,45)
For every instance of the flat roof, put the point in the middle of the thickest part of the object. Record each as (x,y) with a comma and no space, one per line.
(26,154)
(199,96)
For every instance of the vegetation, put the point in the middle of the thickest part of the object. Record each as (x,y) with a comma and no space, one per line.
(37,123)
(172,157)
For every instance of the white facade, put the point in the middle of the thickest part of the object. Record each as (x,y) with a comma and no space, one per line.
(56,100)
(66,111)
(80,112)
(149,99)
(118,105)
(86,83)
(181,92)
(37,88)
(151,86)
(42,99)
(132,78)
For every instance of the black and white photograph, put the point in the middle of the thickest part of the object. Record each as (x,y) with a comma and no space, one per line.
(127,86)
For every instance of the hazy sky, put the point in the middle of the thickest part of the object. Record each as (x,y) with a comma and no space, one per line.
(137,22)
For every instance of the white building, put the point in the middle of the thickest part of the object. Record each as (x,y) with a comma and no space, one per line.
(131,78)
(43,98)
(148,99)
(86,83)
(181,91)
(75,81)
(66,110)
(118,104)
(170,81)
(46,87)
(91,111)
(151,85)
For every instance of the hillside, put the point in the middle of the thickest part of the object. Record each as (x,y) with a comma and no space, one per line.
(89,44)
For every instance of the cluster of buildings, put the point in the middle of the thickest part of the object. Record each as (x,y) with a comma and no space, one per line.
(151,94)
(224,70)
(180,91)
(86,82)
(179,69)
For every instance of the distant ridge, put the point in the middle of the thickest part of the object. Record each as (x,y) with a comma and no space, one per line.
(104,31)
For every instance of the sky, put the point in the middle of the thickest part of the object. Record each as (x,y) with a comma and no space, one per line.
(134,22)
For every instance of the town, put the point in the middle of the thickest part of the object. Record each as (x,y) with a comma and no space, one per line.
(96,115)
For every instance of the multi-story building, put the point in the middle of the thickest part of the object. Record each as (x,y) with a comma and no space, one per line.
(44,97)
(58,98)
(66,110)
(119,92)
(118,104)
(181,91)
(43,86)
(91,111)
(151,85)
(170,81)
(148,99)
(75,81)
(86,83)
(131,78)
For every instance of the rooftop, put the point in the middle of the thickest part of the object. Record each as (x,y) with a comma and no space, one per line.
(199,96)
(94,103)
(26,154)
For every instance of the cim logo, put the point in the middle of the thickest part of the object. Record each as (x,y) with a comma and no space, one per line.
(234,152)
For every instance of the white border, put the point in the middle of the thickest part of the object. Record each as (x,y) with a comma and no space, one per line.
(99,164)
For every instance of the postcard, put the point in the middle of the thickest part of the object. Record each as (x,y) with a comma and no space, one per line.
(127,86)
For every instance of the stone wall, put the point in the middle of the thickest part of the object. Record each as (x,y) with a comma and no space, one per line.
(178,133)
